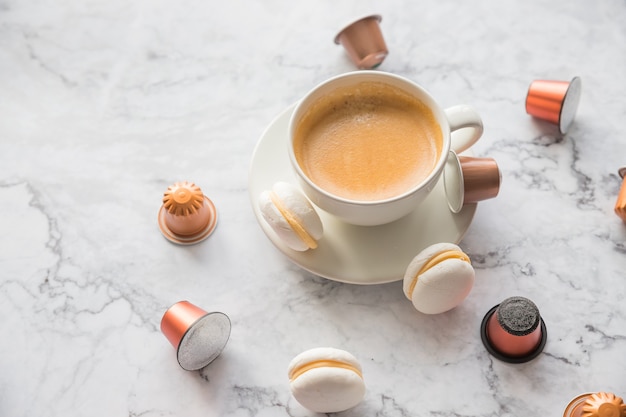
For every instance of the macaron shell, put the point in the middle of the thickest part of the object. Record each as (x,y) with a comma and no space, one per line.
(275,219)
(299,207)
(323,354)
(443,286)
(328,390)
(421,259)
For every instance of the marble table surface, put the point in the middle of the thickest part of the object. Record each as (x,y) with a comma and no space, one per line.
(105,104)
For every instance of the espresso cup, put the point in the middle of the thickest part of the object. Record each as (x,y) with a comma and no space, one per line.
(369,146)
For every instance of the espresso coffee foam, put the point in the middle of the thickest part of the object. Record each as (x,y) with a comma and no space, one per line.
(368,142)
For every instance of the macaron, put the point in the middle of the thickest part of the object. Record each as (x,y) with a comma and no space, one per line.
(326,380)
(439,278)
(291,216)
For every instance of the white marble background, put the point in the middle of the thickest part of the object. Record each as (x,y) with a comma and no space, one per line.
(103,104)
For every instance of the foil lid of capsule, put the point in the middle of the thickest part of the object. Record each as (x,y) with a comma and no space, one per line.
(187,216)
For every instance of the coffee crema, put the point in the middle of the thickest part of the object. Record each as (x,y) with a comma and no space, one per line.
(368,142)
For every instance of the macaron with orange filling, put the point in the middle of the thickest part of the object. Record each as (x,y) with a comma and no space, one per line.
(326,380)
(291,216)
(439,278)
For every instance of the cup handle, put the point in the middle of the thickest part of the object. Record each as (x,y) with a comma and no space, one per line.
(466,127)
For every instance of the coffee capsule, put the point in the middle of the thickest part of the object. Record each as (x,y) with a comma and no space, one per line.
(620,204)
(469,180)
(187,216)
(513,331)
(198,337)
(600,404)
(364,42)
(554,101)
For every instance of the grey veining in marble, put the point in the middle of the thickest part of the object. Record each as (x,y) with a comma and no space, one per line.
(104,104)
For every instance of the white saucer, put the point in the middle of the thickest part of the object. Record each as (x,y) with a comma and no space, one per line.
(348,253)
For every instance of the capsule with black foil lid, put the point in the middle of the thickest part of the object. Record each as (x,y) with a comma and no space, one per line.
(514,331)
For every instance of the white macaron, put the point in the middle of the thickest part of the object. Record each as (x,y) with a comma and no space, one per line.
(326,380)
(439,278)
(291,216)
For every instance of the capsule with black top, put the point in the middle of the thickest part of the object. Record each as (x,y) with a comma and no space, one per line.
(513,331)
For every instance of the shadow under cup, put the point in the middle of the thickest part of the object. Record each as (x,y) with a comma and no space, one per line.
(370,212)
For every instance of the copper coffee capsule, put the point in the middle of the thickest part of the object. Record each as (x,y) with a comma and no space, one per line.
(620,204)
(187,216)
(600,404)
(364,42)
(481,178)
(554,101)
(470,180)
(198,337)
(513,331)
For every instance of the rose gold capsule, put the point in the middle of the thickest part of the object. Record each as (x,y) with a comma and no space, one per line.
(198,337)
(470,180)
(620,204)
(187,216)
(600,404)
(364,42)
(481,178)
(554,101)
(513,331)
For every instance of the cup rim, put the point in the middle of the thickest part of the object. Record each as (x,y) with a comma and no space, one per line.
(364,75)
